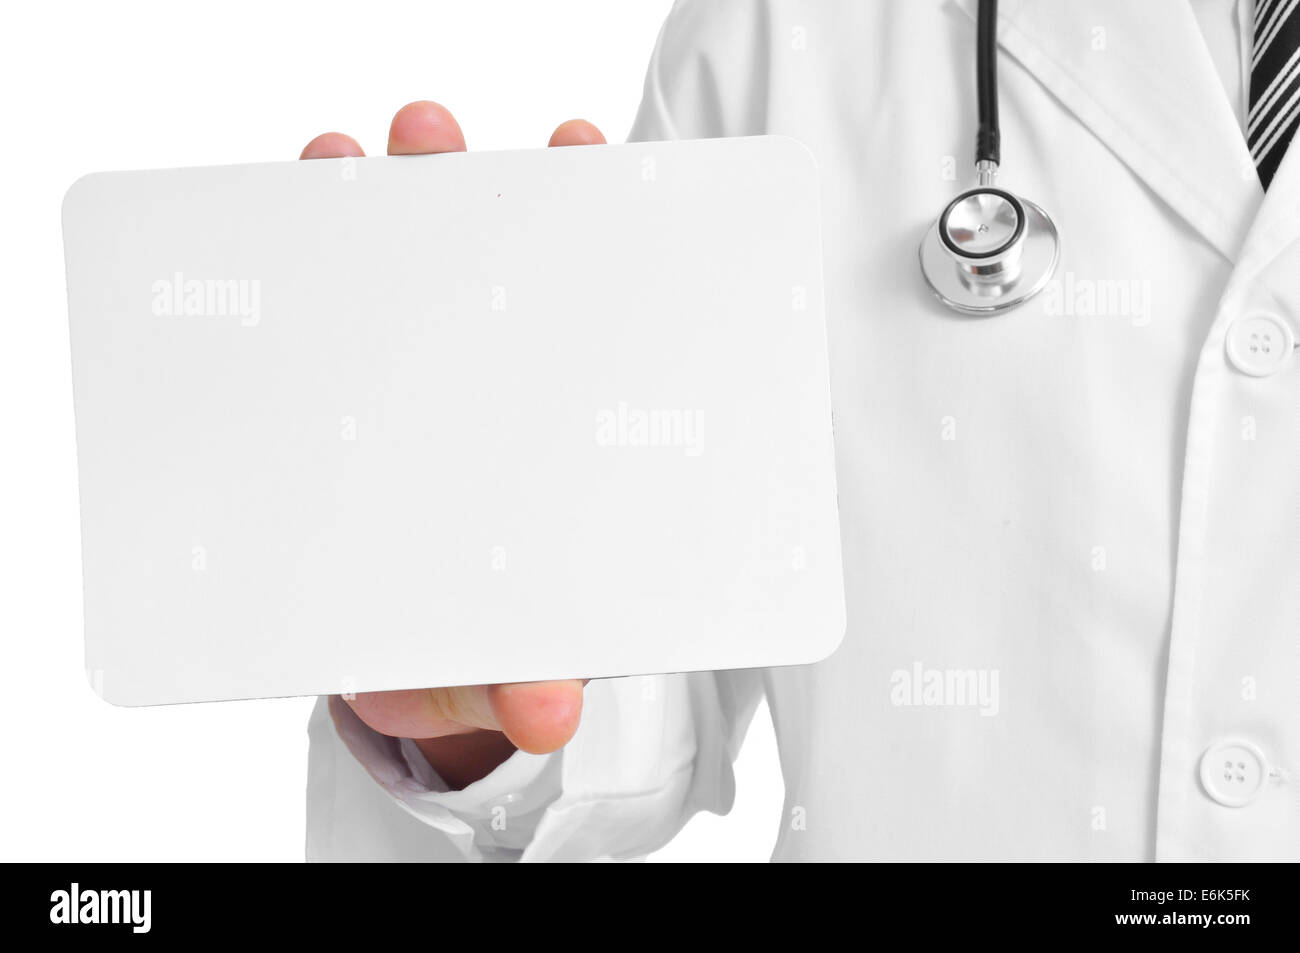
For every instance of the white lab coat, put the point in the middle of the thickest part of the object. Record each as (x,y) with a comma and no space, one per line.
(1071,533)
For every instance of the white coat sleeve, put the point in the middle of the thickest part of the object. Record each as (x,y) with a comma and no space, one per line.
(651,751)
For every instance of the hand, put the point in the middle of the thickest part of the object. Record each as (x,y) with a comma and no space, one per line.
(464,732)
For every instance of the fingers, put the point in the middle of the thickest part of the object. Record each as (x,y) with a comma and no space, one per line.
(576,132)
(424,127)
(418,128)
(331,145)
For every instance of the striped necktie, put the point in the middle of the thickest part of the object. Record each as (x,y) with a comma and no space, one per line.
(1274,84)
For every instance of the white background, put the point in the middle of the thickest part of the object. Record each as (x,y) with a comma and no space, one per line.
(96,86)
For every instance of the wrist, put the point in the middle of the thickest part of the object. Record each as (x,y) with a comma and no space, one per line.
(462,759)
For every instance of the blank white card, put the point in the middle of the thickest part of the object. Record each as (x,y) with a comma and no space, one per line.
(365,424)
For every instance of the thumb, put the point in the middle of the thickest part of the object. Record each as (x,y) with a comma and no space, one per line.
(537,717)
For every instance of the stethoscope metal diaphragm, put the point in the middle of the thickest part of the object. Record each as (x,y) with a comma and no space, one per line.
(989,251)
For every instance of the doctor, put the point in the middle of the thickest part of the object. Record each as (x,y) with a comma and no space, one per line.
(1071,528)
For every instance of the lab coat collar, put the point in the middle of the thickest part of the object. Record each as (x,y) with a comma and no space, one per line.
(1140,76)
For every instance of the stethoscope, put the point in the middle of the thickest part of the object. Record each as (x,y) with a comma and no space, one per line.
(989,251)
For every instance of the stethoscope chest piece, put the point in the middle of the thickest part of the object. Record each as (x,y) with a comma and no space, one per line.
(989,251)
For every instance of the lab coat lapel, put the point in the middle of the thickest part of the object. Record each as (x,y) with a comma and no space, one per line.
(1278,223)
(1139,75)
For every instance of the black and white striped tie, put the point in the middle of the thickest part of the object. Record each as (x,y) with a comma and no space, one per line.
(1274,84)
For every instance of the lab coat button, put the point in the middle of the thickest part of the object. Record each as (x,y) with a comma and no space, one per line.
(1233,772)
(1259,343)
